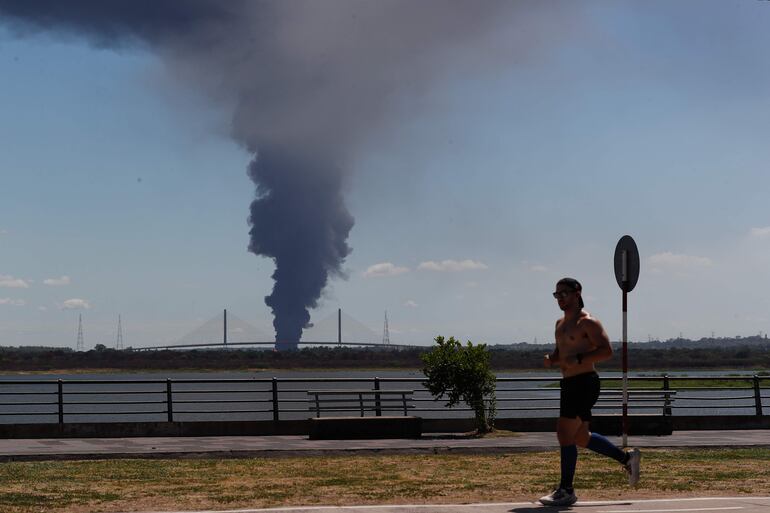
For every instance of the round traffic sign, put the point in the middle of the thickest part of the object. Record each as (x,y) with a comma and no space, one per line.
(626,273)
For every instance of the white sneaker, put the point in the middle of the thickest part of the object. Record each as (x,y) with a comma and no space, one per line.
(559,497)
(632,466)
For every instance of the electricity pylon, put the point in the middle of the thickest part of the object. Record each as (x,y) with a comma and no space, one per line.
(386,332)
(79,345)
(119,342)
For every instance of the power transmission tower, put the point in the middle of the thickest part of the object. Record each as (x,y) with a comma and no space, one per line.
(119,343)
(386,332)
(80,346)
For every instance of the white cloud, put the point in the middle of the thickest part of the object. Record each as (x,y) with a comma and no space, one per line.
(452,265)
(678,260)
(760,233)
(3,231)
(12,283)
(75,304)
(12,302)
(42,308)
(538,268)
(411,304)
(384,269)
(57,282)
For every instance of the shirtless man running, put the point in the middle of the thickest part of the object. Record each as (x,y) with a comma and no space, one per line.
(580,343)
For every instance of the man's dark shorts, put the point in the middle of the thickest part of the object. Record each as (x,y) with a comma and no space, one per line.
(578,395)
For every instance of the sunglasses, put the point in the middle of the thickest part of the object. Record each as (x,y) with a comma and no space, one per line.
(563,294)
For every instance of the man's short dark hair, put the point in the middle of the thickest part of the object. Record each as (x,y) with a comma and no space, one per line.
(574,285)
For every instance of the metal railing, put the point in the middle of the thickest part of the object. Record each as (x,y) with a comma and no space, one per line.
(78,400)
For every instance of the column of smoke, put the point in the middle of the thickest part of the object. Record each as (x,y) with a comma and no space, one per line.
(308,82)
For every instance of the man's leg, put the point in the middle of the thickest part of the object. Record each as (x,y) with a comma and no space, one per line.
(595,441)
(583,434)
(564,495)
(629,459)
(567,431)
(601,445)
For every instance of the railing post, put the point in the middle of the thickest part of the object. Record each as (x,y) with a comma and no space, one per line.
(61,401)
(757,396)
(666,395)
(275,399)
(377,405)
(169,401)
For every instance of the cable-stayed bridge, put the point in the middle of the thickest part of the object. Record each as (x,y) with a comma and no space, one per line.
(223,328)
(228,330)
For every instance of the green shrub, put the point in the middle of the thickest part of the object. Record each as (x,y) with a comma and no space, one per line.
(462,373)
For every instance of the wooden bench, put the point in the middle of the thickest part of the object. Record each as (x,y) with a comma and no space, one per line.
(362,426)
(659,424)
(360,400)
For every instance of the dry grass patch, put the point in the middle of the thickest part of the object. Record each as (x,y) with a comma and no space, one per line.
(141,485)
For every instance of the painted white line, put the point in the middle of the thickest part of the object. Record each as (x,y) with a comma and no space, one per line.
(686,499)
(486,504)
(665,510)
(374,506)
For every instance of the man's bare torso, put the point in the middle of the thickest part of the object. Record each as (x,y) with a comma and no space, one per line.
(571,339)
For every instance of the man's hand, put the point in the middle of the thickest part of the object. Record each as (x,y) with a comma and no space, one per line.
(547,362)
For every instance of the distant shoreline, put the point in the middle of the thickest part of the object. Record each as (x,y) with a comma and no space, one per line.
(104,361)
(77,371)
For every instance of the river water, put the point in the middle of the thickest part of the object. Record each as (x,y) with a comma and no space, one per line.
(529,394)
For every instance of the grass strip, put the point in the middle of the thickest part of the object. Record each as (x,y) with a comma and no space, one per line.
(190,484)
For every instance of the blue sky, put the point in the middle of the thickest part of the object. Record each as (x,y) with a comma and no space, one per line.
(123,194)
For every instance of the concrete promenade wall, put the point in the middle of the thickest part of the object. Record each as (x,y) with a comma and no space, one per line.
(607,424)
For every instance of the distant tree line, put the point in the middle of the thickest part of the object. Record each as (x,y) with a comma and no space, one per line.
(502,358)
(645,358)
(679,342)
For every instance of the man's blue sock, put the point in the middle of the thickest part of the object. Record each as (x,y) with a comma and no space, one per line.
(568,463)
(598,443)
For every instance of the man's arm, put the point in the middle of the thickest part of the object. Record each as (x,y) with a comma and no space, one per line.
(600,341)
(552,358)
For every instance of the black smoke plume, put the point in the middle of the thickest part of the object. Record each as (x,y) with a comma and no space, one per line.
(311,243)
(308,82)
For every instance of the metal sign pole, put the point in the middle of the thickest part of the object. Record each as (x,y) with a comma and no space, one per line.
(626,262)
(625,347)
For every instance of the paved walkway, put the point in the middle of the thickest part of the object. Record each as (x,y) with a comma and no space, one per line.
(271,446)
(691,505)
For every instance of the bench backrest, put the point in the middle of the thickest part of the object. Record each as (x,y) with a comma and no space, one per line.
(361,400)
